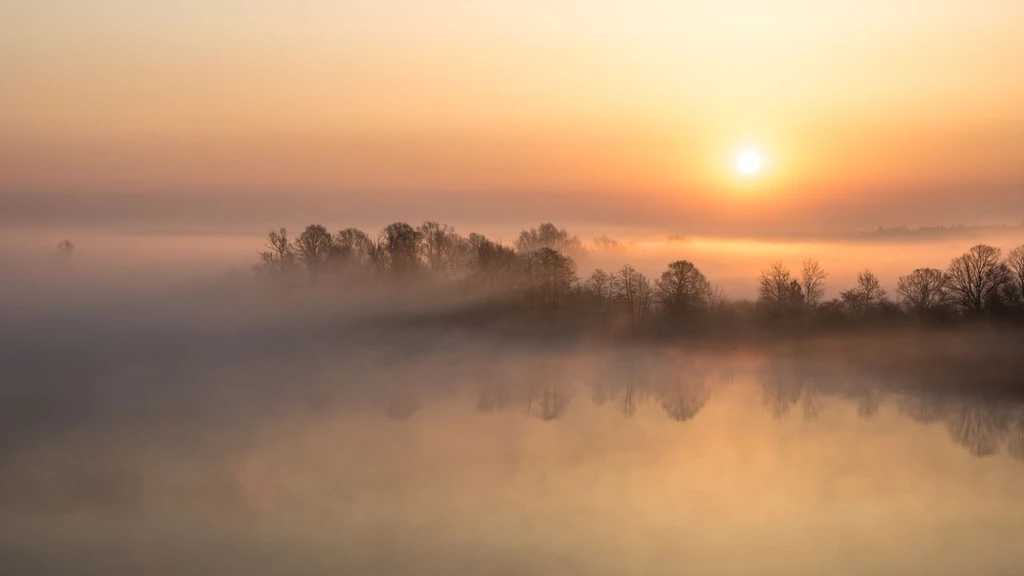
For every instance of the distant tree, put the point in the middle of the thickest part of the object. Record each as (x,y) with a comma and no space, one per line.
(1015,264)
(352,247)
(866,295)
(716,298)
(278,256)
(313,248)
(547,235)
(682,289)
(491,265)
(812,282)
(777,290)
(602,288)
(65,248)
(401,245)
(633,291)
(606,244)
(923,290)
(443,249)
(549,277)
(975,278)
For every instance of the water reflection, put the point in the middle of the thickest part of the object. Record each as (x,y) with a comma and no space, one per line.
(543,461)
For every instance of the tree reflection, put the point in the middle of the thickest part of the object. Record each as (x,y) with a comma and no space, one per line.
(683,388)
(1015,443)
(979,426)
(781,386)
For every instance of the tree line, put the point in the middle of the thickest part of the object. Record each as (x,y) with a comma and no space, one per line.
(538,274)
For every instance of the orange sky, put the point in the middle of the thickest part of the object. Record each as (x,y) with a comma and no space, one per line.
(863,110)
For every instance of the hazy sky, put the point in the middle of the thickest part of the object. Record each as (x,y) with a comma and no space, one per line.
(866,112)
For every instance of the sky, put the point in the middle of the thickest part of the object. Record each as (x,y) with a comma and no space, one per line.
(864,112)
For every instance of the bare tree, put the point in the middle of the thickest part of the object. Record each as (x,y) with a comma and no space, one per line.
(549,277)
(1015,263)
(443,249)
(491,265)
(279,255)
(547,235)
(353,247)
(65,248)
(682,289)
(777,290)
(923,289)
(609,245)
(976,277)
(867,294)
(400,243)
(812,281)
(313,248)
(633,290)
(716,298)
(602,288)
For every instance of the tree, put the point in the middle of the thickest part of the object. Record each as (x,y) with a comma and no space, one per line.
(608,245)
(547,235)
(401,246)
(491,265)
(602,288)
(866,295)
(313,248)
(777,290)
(975,278)
(353,247)
(1015,264)
(682,289)
(633,291)
(279,255)
(443,249)
(549,277)
(812,282)
(923,290)
(65,248)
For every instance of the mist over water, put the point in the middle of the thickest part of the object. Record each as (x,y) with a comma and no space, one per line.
(209,429)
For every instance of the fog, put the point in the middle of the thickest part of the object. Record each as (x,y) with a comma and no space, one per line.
(140,253)
(196,423)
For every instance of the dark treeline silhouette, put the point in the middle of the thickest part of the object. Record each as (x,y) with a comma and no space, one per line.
(537,278)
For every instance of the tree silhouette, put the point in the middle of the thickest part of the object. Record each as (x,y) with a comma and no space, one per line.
(602,289)
(866,295)
(313,248)
(279,256)
(777,291)
(812,282)
(443,249)
(491,265)
(682,289)
(549,278)
(923,290)
(400,244)
(975,278)
(633,290)
(547,235)
(1015,264)
(65,248)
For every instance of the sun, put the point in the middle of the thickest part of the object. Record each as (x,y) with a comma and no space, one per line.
(748,162)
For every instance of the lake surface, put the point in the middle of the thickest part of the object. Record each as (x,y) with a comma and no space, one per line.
(362,459)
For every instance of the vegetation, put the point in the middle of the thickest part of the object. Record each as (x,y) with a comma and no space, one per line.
(537,278)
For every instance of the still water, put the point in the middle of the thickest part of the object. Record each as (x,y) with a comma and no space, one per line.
(598,462)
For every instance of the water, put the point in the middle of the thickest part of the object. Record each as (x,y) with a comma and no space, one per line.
(364,458)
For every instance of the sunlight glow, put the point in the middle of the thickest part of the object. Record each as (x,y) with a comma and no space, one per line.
(748,162)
